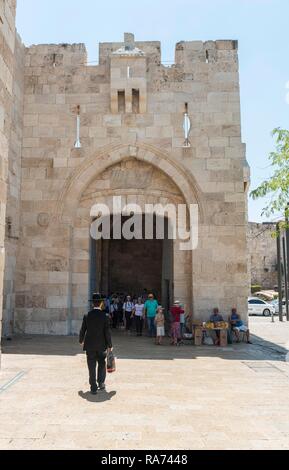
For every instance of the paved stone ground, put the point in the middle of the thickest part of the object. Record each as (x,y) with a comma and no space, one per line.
(160,397)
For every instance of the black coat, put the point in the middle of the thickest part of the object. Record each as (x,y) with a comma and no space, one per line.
(95,331)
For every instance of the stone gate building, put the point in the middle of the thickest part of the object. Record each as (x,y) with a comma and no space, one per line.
(131,110)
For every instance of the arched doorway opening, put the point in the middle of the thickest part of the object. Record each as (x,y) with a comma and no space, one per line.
(135,266)
(106,265)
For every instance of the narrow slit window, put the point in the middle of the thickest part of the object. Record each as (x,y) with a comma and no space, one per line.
(135,101)
(207,56)
(121,101)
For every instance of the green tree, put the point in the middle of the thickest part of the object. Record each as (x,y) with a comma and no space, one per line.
(277,186)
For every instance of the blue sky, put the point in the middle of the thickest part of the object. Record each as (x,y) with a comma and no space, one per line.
(261,26)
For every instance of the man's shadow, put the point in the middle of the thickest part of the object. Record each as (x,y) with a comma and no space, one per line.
(99,398)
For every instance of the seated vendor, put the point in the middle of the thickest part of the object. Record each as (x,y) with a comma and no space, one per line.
(238,326)
(215,318)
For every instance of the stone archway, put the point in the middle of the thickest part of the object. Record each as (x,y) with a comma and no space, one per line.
(137,182)
(96,164)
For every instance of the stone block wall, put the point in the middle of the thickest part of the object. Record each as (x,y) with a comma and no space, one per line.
(205,81)
(12,237)
(7,47)
(262,252)
(212,172)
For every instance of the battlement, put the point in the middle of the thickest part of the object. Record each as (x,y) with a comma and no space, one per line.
(56,55)
(187,53)
(190,53)
(129,71)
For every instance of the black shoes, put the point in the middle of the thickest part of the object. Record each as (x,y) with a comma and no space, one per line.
(101,388)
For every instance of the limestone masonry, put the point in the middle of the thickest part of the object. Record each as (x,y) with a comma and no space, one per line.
(131,110)
(10,131)
(262,248)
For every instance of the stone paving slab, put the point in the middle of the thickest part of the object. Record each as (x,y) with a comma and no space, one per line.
(159,398)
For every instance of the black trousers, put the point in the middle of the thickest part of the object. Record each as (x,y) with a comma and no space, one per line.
(120,317)
(139,325)
(94,358)
(115,319)
(128,320)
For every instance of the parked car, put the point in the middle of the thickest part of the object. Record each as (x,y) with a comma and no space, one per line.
(275,304)
(260,307)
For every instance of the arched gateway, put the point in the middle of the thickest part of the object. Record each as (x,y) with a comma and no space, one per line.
(112,155)
(137,175)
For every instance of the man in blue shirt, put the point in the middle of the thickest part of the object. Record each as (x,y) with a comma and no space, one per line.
(238,326)
(216,317)
(150,309)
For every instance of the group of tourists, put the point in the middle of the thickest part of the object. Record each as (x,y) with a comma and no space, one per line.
(135,313)
(119,310)
(143,313)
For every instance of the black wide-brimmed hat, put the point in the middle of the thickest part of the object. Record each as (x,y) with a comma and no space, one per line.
(97,296)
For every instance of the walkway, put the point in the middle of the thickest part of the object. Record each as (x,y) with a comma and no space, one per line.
(160,397)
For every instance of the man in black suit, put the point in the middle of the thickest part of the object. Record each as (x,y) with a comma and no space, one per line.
(96,340)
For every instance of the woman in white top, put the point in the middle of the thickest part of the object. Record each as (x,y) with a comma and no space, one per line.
(128,307)
(138,313)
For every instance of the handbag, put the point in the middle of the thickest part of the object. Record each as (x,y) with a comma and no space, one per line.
(208,341)
(111,365)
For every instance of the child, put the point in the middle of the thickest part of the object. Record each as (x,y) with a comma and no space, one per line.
(182,324)
(160,325)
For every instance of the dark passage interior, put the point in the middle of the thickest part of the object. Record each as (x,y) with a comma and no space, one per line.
(134,265)
(130,266)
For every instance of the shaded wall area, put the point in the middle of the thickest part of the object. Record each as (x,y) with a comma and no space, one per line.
(7,47)
(13,229)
